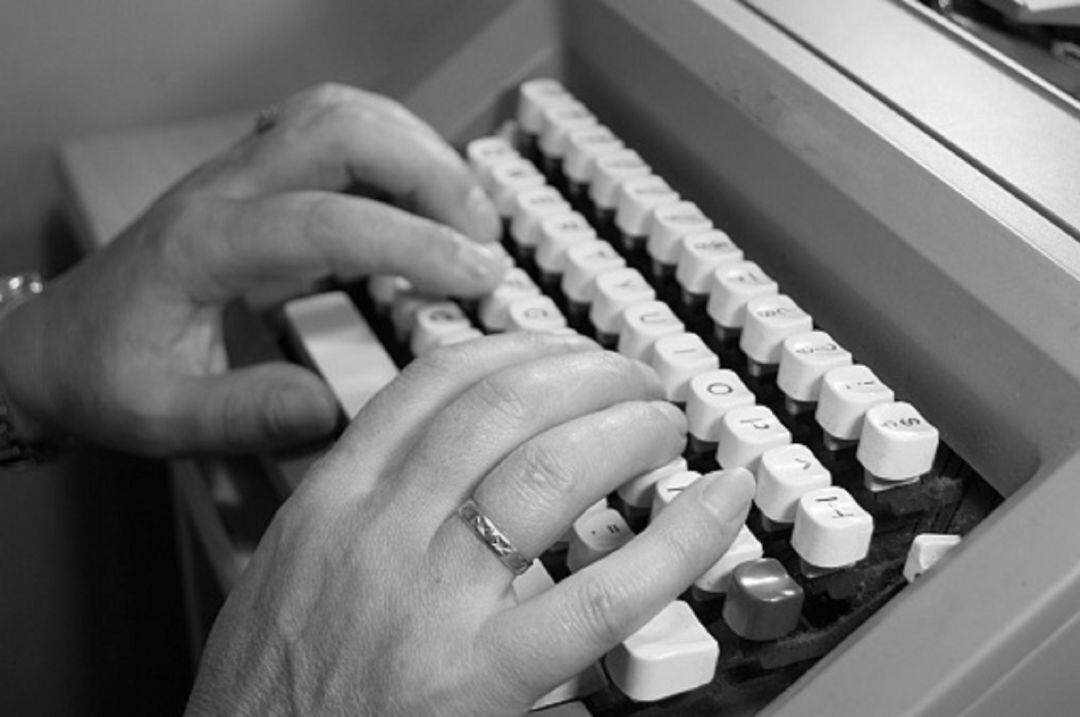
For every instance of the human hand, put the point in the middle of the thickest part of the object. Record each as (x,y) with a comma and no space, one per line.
(369,596)
(127,348)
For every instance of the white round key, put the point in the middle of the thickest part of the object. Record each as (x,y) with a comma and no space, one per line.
(847,393)
(584,261)
(701,255)
(534,581)
(564,541)
(746,547)
(434,321)
(611,170)
(534,313)
(804,360)
(638,492)
(710,396)
(784,474)
(583,146)
(642,324)
(530,207)
(559,120)
(508,179)
(677,358)
(770,320)
(746,433)
(458,337)
(485,152)
(557,234)
(533,96)
(403,311)
(925,552)
(670,654)
(595,534)
(831,529)
(493,311)
(733,285)
(616,290)
(670,487)
(670,223)
(637,197)
(896,442)
(382,288)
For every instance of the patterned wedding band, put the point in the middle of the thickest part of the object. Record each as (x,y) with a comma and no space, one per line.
(492,537)
(266,119)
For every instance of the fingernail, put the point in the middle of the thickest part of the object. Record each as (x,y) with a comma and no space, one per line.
(575,341)
(672,411)
(482,261)
(728,494)
(485,220)
(298,413)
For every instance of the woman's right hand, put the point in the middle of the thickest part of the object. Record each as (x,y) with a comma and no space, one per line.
(369,595)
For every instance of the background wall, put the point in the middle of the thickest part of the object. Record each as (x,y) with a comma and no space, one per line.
(89,604)
(72,67)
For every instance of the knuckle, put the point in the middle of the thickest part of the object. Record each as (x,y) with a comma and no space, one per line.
(275,416)
(672,423)
(446,160)
(332,105)
(613,364)
(444,241)
(502,396)
(336,102)
(331,94)
(439,363)
(389,104)
(620,376)
(544,471)
(232,420)
(629,372)
(600,612)
(321,219)
(682,546)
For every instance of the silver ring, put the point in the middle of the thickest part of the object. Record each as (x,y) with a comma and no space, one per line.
(492,537)
(267,119)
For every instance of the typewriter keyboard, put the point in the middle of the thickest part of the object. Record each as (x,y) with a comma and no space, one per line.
(856,492)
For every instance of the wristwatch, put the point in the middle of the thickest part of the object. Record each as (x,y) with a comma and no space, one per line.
(14,452)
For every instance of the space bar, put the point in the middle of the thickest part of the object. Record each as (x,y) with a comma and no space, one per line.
(335,340)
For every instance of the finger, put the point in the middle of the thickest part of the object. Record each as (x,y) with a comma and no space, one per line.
(266,406)
(305,235)
(560,632)
(396,417)
(544,485)
(332,136)
(329,93)
(504,410)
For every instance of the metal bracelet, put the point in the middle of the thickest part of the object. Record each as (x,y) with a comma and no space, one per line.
(14,452)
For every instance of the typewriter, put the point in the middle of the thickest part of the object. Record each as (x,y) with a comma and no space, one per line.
(856,493)
(876,184)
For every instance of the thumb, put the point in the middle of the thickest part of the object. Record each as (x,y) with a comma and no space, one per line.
(273,405)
